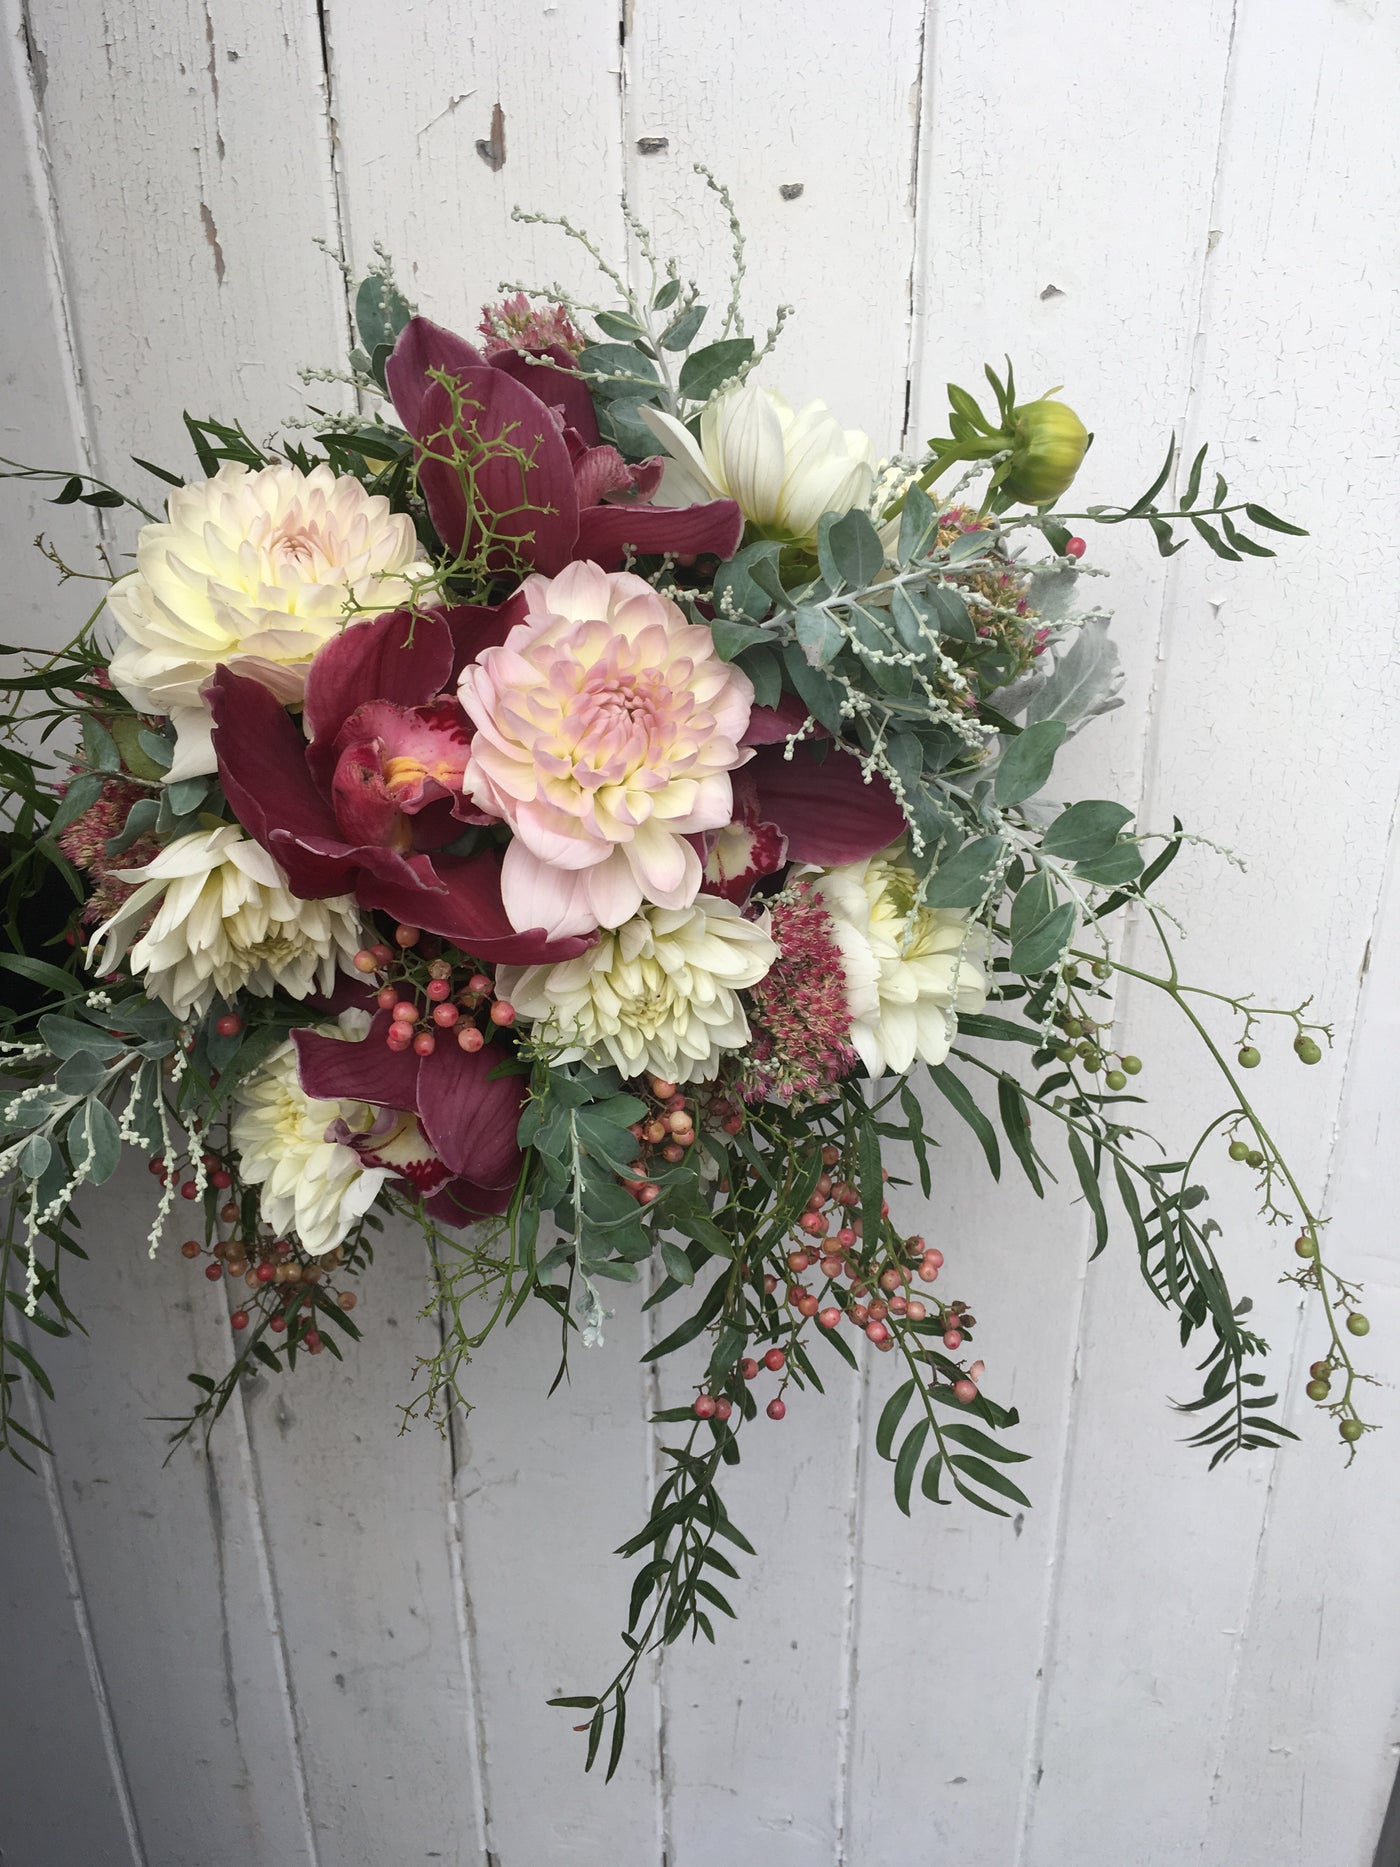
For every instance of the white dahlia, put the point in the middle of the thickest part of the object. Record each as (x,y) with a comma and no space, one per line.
(909,969)
(256,571)
(224,923)
(659,994)
(783,467)
(311,1183)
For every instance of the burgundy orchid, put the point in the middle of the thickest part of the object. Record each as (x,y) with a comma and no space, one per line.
(547,511)
(816,806)
(468,1115)
(365,803)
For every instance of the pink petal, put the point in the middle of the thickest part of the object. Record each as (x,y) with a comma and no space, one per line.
(537,894)
(364,810)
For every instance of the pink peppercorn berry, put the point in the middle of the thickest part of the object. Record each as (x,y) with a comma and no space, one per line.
(470,1038)
(229,1025)
(1075,548)
(775,1359)
(704,1408)
(776,1410)
(965,1391)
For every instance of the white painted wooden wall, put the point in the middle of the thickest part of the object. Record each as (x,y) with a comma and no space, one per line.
(329,1644)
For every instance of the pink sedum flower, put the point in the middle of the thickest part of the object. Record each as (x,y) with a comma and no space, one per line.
(606,730)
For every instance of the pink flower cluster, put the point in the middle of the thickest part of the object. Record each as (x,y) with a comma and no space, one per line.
(85,842)
(516,324)
(798,1014)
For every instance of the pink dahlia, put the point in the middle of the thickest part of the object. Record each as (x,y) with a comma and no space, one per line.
(606,730)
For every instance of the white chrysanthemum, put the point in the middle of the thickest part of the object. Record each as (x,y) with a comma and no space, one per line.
(255,570)
(783,467)
(309,1185)
(909,969)
(659,993)
(225,923)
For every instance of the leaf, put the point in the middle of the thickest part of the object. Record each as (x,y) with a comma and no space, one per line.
(41,973)
(186,794)
(1044,945)
(1026,763)
(618,324)
(1204,529)
(140,818)
(667,296)
(849,549)
(963,1434)
(744,585)
(80,796)
(1011,1102)
(626,374)
(822,700)
(907,1464)
(1085,830)
(684,331)
(677,1265)
(821,637)
(914,1115)
(69,1037)
(381,311)
(918,524)
(80,1075)
(957,1092)
(35,1156)
(998,1030)
(1193,483)
(161,473)
(158,750)
(983,1474)
(1272,523)
(22,1355)
(890,1416)
(964,879)
(1084,681)
(705,371)
(72,488)
(693,1325)
(99,747)
(1089,1182)
(1122,863)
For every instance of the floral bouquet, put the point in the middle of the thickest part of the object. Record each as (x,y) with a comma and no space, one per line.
(589,808)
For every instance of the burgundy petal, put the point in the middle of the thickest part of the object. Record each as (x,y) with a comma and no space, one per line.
(461,1202)
(469,1115)
(402,658)
(364,810)
(262,767)
(367,1071)
(824,807)
(561,387)
(767,725)
(477,627)
(465,909)
(600,470)
(684,531)
(423,345)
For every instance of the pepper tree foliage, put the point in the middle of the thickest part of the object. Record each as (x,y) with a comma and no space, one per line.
(881,629)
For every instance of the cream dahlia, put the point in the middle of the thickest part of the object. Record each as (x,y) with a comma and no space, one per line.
(299,1151)
(783,467)
(221,922)
(909,969)
(660,994)
(253,570)
(606,730)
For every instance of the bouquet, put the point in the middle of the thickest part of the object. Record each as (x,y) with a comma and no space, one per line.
(593,810)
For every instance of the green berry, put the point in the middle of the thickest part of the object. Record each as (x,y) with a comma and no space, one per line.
(1307,1050)
(1093,1063)
(1131,1064)
(1239,1150)
(1065,1052)
(1318,1390)
(1254,1158)
(1306,1247)
(1358,1324)
(1320,1370)
(1116,1079)
(1351,1431)
(1102,969)
(1074,1027)
(1248,1058)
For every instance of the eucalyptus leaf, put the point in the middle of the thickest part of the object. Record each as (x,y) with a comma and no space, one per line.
(1085,681)
(964,879)
(1027,762)
(709,369)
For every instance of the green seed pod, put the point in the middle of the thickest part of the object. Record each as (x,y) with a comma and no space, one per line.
(1307,1050)
(1351,1431)
(1305,1247)
(1101,969)
(1254,1158)
(1358,1324)
(1116,1079)
(1248,1058)
(1239,1150)
(1318,1390)
(1048,442)
(1131,1064)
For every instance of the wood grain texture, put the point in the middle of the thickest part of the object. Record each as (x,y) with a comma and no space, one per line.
(329,1643)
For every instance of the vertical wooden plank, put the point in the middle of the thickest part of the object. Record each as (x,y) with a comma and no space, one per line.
(171,1557)
(1033,118)
(1305,1758)
(192,177)
(1251,708)
(809,115)
(429,168)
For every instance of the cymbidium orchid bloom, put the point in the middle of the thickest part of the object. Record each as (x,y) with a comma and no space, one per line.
(255,571)
(367,805)
(549,491)
(606,730)
(784,467)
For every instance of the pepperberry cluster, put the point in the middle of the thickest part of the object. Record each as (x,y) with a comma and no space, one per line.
(431,996)
(286,1285)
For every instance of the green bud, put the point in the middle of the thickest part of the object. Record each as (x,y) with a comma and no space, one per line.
(1116,1079)
(1351,1431)
(1254,1158)
(1048,442)
(1131,1064)
(1239,1150)
(1248,1058)
(1357,1324)
(1305,1247)
(1318,1390)
(1307,1050)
